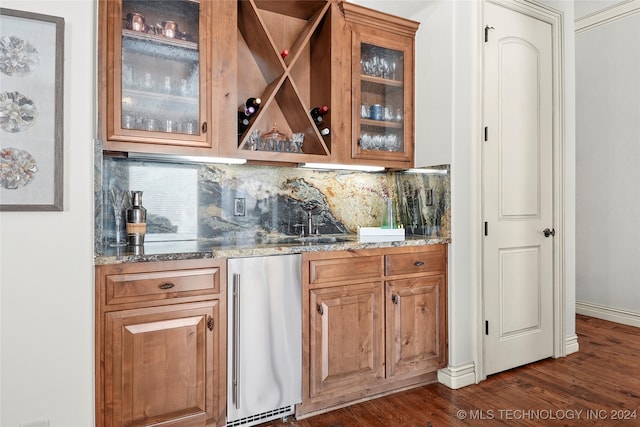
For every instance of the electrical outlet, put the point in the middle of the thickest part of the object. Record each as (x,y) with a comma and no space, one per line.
(39,423)
(238,207)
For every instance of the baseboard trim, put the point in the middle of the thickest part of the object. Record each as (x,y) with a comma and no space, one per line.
(571,345)
(608,313)
(456,377)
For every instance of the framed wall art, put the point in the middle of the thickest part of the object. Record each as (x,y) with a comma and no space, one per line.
(31,111)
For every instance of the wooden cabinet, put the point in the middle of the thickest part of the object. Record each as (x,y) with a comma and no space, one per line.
(164,84)
(374,321)
(160,343)
(173,76)
(346,340)
(416,333)
(382,85)
(285,58)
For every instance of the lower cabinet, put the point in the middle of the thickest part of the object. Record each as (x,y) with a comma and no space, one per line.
(416,331)
(374,321)
(160,344)
(346,342)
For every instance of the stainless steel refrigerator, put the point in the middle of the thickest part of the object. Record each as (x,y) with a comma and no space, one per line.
(264,379)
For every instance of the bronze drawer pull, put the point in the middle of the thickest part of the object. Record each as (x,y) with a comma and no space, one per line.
(419,263)
(166,286)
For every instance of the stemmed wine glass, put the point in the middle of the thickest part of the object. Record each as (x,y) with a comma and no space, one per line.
(119,201)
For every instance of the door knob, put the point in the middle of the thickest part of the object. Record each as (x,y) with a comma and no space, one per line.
(549,232)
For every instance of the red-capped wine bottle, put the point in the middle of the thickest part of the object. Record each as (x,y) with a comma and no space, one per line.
(318,112)
(284,53)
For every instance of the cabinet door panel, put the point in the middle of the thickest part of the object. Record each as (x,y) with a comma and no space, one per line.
(160,361)
(346,338)
(159,77)
(416,335)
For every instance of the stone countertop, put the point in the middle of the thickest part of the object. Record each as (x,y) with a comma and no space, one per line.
(197,249)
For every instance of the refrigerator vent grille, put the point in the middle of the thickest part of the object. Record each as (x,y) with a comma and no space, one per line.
(263,417)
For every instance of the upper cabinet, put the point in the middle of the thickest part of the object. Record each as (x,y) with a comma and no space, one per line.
(382,85)
(158,89)
(284,53)
(265,80)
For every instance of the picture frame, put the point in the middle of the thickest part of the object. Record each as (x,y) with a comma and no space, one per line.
(31,111)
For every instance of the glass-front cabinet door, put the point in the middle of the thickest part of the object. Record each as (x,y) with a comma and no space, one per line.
(159,72)
(382,87)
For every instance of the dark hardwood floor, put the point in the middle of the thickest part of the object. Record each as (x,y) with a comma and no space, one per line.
(597,386)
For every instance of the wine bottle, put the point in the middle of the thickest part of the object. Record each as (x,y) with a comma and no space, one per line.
(284,53)
(318,112)
(325,131)
(253,103)
(243,122)
(247,111)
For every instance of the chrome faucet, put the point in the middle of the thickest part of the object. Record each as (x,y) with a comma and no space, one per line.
(309,208)
(309,222)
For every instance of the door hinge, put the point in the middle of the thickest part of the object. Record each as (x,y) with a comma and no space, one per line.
(486,32)
(486,228)
(486,133)
(486,327)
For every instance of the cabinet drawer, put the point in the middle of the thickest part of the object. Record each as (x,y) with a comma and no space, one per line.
(156,285)
(339,269)
(414,262)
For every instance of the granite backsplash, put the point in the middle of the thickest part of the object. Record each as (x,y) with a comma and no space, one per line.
(193,201)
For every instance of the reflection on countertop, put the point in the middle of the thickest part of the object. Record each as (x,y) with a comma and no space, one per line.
(212,248)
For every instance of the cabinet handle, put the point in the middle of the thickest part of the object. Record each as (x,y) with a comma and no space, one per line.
(204,127)
(320,309)
(166,286)
(236,342)
(395,299)
(211,323)
(419,263)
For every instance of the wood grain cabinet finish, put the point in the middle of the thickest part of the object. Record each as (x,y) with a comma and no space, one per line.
(346,341)
(416,333)
(382,88)
(171,80)
(374,321)
(166,74)
(160,343)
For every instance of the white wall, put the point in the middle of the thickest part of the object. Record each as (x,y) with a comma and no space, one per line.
(608,161)
(46,259)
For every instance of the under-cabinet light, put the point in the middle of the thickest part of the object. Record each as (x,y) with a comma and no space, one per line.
(426,170)
(333,166)
(186,159)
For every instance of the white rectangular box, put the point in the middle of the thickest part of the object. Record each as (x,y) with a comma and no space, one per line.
(378,234)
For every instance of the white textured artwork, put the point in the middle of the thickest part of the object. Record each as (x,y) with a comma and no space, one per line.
(30,125)
(17,56)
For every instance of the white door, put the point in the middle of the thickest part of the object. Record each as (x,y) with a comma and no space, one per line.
(517,174)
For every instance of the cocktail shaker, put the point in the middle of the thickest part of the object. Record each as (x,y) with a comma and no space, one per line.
(136,220)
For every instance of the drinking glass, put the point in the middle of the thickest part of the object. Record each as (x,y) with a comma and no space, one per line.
(119,201)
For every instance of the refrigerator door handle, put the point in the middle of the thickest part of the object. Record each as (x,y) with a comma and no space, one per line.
(236,340)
